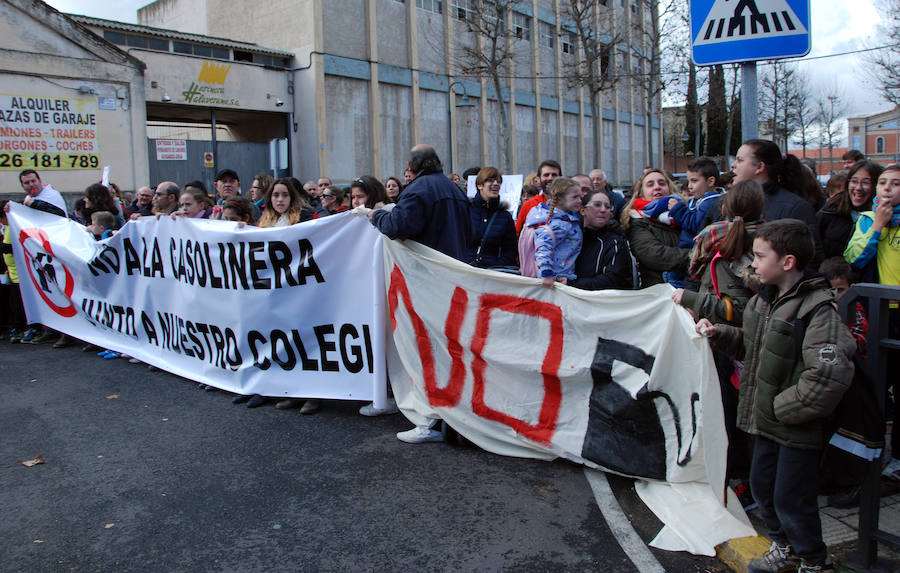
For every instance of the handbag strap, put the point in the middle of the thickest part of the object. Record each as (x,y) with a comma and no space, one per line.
(485,234)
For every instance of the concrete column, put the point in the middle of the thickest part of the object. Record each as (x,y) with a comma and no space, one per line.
(613,58)
(560,114)
(318,64)
(535,70)
(599,117)
(513,166)
(374,91)
(632,82)
(415,115)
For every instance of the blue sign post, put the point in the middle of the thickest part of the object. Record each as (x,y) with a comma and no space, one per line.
(729,31)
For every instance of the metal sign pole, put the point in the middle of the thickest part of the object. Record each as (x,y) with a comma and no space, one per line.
(749,106)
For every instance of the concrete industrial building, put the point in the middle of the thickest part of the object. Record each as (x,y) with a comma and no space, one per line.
(372,77)
(310,87)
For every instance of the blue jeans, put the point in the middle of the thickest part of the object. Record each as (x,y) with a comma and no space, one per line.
(784,482)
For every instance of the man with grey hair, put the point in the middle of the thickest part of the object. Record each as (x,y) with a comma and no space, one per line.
(433,211)
(599,182)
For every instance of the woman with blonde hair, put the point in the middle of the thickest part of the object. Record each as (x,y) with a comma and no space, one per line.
(654,243)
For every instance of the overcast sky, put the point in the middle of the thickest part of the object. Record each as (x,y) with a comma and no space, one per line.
(837,26)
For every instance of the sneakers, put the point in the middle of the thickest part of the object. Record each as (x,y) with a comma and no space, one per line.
(15,337)
(892,470)
(31,335)
(819,568)
(108,354)
(371,410)
(420,435)
(778,559)
(288,403)
(48,335)
(240,398)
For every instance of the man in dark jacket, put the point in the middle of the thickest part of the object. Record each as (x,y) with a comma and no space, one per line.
(431,210)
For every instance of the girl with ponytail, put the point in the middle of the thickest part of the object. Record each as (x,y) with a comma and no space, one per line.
(721,259)
(557,232)
(791,191)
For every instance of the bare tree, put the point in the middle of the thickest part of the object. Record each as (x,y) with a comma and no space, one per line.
(491,56)
(591,67)
(830,109)
(734,113)
(885,69)
(804,109)
(775,96)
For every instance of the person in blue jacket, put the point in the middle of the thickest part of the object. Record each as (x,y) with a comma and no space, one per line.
(432,210)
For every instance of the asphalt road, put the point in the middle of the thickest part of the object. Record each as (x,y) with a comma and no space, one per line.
(145,472)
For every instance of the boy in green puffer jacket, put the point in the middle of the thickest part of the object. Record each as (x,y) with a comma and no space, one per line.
(797,365)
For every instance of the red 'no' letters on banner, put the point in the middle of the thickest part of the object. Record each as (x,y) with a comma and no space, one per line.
(450,395)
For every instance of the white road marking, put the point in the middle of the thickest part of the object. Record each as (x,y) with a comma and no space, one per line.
(618,523)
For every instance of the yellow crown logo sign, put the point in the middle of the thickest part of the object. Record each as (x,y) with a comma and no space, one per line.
(212,73)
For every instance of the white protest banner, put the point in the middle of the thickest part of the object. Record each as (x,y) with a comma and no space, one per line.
(289,311)
(616,380)
(40,132)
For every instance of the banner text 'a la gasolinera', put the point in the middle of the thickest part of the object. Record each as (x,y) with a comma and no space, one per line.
(267,311)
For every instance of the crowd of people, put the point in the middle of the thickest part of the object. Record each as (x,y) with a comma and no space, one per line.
(757,255)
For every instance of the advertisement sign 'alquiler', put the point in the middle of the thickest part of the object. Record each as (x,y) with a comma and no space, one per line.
(48,133)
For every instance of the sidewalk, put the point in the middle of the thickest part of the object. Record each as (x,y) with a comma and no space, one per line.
(839,529)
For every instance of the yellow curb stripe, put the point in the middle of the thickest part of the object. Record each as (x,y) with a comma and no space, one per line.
(738,552)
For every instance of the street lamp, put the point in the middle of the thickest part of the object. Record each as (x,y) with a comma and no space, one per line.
(464,102)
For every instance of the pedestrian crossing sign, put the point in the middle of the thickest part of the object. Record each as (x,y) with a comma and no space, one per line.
(727,31)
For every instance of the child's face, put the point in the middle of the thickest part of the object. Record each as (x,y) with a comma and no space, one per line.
(889,188)
(358,197)
(189,205)
(769,267)
(571,201)
(229,214)
(840,286)
(697,185)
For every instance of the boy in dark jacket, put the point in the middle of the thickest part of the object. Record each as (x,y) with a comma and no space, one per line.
(797,365)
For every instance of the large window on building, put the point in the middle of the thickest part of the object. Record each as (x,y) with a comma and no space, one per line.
(567,43)
(462,9)
(547,36)
(879,145)
(522,26)
(436,6)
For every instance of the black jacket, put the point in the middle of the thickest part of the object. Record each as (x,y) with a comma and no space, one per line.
(605,261)
(433,211)
(782,204)
(500,245)
(834,230)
